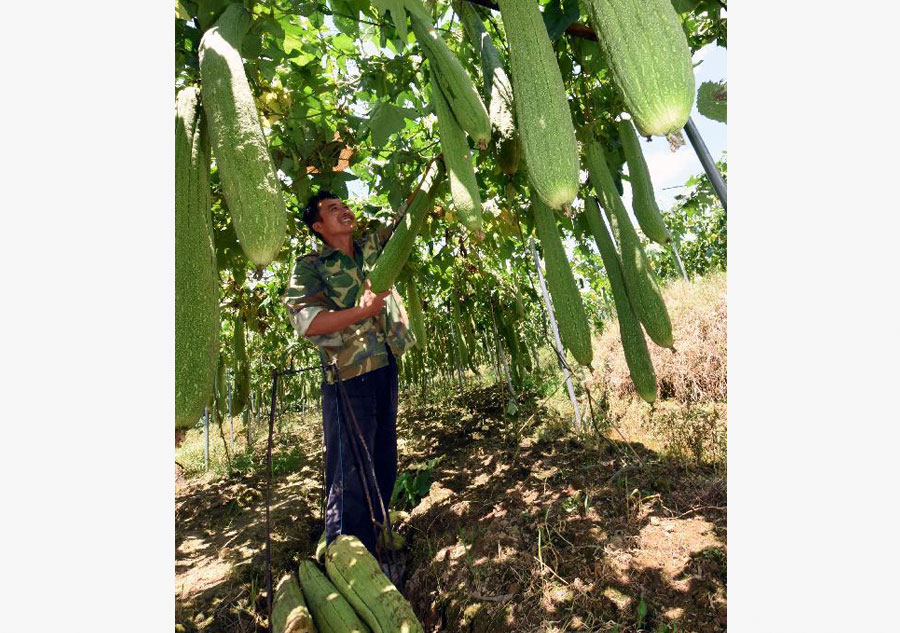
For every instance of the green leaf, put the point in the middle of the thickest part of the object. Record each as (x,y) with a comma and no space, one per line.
(712,100)
(346,16)
(293,44)
(591,56)
(558,15)
(641,612)
(684,6)
(208,11)
(344,43)
(396,195)
(385,121)
(398,14)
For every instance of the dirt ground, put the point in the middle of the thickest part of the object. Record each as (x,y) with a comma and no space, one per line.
(541,532)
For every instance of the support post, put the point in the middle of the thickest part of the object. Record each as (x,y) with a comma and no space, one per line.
(206,438)
(676,255)
(230,418)
(558,343)
(706,159)
(268,497)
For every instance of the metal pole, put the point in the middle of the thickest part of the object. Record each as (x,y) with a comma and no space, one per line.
(706,159)
(206,438)
(559,347)
(246,419)
(268,495)
(677,257)
(230,385)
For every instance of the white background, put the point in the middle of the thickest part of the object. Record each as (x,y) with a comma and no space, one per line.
(87,208)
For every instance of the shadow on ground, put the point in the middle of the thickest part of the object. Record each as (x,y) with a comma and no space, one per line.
(552,533)
(547,532)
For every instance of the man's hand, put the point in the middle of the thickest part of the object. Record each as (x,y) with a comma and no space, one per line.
(330,321)
(372,302)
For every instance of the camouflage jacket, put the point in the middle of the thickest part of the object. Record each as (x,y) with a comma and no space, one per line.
(329,280)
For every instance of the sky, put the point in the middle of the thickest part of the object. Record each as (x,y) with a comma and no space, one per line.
(668,170)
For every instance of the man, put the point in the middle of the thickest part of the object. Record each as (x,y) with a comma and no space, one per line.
(361,342)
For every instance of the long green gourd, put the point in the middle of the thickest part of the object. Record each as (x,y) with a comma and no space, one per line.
(246,171)
(399,246)
(497,88)
(465,322)
(512,346)
(289,612)
(458,160)
(330,610)
(357,575)
(643,289)
(643,200)
(526,353)
(416,314)
(456,83)
(320,549)
(542,108)
(637,356)
(241,368)
(649,59)
(574,329)
(196,276)
(519,304)
(461,350)
(221,388)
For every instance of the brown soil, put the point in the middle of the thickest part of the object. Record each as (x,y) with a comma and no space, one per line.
(220,531)
(548,533)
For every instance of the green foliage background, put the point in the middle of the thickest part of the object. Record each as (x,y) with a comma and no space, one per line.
(345,79)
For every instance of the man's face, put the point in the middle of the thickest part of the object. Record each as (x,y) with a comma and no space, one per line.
(336,219)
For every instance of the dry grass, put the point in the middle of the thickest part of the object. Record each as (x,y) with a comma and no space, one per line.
(696,373)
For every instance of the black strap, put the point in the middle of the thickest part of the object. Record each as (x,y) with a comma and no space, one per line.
(358,446)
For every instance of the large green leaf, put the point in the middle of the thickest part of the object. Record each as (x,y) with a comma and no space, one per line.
(208,11)
(294,44)
(712,100)
(684,6)
(346,15)
(558,15)
(386,120)
(398,14)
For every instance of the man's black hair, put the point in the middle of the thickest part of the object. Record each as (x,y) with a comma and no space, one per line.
(311,210)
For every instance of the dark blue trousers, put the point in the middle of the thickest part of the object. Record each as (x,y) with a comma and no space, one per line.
(373,397)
